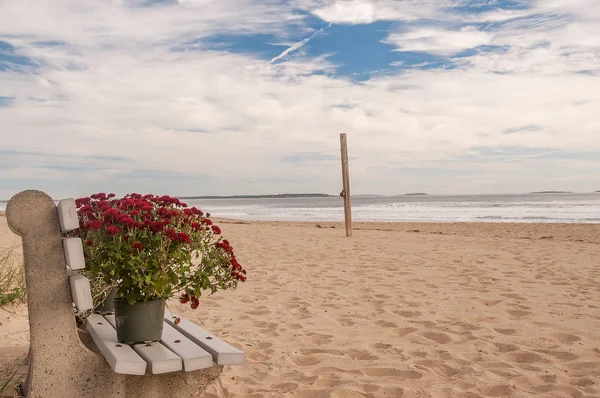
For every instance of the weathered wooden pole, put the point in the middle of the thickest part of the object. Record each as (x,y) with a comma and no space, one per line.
(346,183)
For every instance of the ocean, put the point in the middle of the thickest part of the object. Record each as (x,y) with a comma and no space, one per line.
(530,208)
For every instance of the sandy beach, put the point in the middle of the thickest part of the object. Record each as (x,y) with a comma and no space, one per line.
(399,310)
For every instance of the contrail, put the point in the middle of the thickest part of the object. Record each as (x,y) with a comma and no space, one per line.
(297,45)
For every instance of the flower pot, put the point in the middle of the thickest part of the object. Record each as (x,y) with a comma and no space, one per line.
(108,305)
(141,322)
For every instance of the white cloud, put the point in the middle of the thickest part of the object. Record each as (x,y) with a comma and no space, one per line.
(439,41)
(368,11)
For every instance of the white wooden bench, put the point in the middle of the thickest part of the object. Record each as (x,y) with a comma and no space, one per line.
(184,346)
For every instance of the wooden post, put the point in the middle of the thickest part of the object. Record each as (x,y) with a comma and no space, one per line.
(346,183)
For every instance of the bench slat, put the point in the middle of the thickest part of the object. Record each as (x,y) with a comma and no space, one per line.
(80,291)
(159,357)
(74,253)
(121,357)
(222,352)
(67,215)
(194,357)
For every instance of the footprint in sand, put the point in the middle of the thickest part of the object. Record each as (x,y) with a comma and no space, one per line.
(408,314)
(438,337)
(401,332)
(345,321)
(345,393)
(565,338)
(259,312)
(514,296)
(284,387)
(491,303)
(526,357)
(466,326)
(501,390)
(362,355)
(321,339)
(560,355)
(307,360)
(391,372)
(506,347)
(437,368)
(391,392)
(583,382)
(386,324)
(519,313)
(508,332)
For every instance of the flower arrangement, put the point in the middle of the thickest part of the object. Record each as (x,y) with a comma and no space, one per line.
(154,247)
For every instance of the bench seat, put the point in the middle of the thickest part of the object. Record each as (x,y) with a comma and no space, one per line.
(185,347)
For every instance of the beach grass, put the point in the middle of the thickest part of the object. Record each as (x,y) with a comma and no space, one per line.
(12,278)
(10,385)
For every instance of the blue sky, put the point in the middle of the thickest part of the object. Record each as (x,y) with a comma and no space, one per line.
(249,96)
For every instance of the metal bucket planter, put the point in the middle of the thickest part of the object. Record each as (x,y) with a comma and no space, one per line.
(140,322)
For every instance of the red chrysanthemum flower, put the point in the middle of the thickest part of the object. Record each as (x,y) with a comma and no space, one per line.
(111,213)
(195,303)
(95,225)
(216,229)
(183,237)
(137,245)
(184,298)
(113,230)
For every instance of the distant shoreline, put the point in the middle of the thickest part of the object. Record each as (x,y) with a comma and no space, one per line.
(275,196)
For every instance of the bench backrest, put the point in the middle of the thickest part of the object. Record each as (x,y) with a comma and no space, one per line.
(74,258)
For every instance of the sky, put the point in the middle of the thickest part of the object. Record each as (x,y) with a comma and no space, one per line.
(222,97)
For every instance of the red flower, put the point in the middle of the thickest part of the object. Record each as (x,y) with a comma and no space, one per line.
(137,245)
(95,225)
(216,229)
(207,221)
(156,226)
(196,226)
(86,209)
(195,303)
(183,237)
(89,242)
(111,213)
(113,230)
(184,298)
(130,222)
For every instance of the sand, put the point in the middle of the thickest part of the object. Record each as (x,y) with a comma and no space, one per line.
(402,310)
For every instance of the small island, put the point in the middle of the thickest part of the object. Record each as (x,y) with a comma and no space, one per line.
(547,192)
(416,194)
